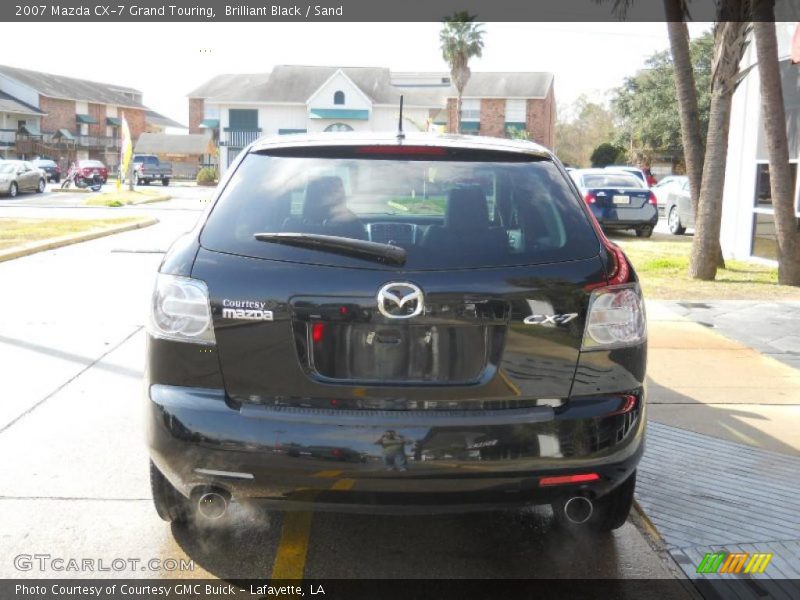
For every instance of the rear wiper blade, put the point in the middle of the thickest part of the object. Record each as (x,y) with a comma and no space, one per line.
(382,253)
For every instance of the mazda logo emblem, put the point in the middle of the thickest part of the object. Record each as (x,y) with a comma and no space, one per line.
(400,300)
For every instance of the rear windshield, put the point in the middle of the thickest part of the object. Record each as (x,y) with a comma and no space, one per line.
(446,214)
(91,163)
(44,163)
(616,181)
(149,160)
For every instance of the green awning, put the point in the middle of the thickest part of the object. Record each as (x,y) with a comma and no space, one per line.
(512,126)
(289,131)
(339,114)
(470,125)
(64,134)
(113,121)
(210,123)
(30,129)
(85,120)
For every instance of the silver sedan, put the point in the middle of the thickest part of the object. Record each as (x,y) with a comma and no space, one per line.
(20,176)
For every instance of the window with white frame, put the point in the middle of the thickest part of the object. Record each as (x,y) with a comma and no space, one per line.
(515,110)
(471,109)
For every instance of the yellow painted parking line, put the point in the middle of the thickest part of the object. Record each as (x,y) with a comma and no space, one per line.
(327,474)
(509,383)
(290,558)
(343,484)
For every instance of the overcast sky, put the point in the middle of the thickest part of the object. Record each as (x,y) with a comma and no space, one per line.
(166,61)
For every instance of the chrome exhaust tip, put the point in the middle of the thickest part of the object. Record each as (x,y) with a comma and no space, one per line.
(578,509)
(213,504)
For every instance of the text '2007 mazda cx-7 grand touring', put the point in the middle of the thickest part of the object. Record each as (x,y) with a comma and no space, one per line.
(396,324)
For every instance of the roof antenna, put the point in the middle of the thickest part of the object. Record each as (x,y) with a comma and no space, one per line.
(400,135)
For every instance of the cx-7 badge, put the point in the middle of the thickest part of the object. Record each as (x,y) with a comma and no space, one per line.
(550,319)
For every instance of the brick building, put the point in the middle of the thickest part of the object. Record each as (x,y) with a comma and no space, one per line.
(234,110)
(64,118)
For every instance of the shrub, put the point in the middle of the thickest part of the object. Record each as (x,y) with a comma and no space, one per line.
(606,154)
(207,176)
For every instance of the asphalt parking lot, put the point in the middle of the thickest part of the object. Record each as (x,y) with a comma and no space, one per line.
(75,481)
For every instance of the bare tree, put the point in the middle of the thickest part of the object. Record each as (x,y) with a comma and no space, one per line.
(773,114)
(730,41)
(461,39)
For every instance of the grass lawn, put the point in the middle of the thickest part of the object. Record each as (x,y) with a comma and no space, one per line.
(662,262)
(125,196)
(14,232)
(433,205)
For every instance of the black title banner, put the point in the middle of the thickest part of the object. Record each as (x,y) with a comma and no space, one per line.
(367,10)
(389,589)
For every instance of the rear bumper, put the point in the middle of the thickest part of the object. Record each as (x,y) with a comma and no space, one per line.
(612,218)
(328,459)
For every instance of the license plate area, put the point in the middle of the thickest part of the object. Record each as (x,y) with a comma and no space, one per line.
(379,353)
(620,199)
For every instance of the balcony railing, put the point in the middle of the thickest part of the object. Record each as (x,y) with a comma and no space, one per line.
(238,138)
(8,137)
(97,141)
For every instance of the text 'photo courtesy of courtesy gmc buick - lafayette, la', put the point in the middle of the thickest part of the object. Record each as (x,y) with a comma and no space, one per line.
(439,320)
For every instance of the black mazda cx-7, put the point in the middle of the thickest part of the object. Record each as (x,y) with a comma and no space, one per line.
(396,324)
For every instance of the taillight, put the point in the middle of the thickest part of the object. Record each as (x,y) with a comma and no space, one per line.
(615,318)
(590,198)
(565,479)
(651,198)
(181,310)
(317,332)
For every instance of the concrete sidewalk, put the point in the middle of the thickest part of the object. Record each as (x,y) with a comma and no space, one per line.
(705,382)
(723,451)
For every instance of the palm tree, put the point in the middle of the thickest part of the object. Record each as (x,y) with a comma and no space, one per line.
(730,40)
(461,39)
(691,136)
(773,112)
(687,95)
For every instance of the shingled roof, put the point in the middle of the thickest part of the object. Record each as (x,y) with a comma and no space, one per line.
(10,104)
(69,88)
(296,84)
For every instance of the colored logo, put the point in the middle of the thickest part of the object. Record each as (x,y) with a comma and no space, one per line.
(734,562)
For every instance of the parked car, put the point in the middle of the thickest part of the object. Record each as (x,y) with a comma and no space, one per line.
(679,210)
(89,168)
(50,167)
(666,186)
(148,167)
(482,347)
(618,200)
(643,174)
(20,176)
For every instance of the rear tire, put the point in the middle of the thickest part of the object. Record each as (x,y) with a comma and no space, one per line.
(42,186)
(674,222)
(165,182)
(644,232)
(13,189)
(610,512)
(170,505)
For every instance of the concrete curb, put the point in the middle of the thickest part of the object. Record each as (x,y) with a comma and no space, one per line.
(68,240)
(150,200)
(71,190)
